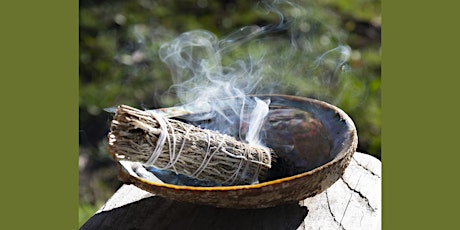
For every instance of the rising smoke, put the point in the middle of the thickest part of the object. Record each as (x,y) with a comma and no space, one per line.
(217,89)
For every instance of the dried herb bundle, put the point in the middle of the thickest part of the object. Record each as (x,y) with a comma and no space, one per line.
(169,144)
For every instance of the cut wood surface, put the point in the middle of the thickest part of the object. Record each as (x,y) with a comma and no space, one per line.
(353,202)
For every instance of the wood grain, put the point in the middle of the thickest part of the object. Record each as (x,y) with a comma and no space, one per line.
(353,202)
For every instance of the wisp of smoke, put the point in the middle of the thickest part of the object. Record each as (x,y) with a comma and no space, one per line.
(218,93)
(202,83)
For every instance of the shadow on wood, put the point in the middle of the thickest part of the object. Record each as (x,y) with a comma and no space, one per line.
(353,202)
(161,213)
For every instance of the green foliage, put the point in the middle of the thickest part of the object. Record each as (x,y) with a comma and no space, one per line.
(366,10)
(85,211)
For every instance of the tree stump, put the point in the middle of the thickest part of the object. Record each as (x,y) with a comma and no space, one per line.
(353,202)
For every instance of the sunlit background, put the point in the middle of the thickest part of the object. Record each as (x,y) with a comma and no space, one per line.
(119,64)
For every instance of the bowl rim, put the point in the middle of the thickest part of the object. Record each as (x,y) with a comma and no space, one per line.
(351,144)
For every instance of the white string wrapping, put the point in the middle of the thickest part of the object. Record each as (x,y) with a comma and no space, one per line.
(169,144)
